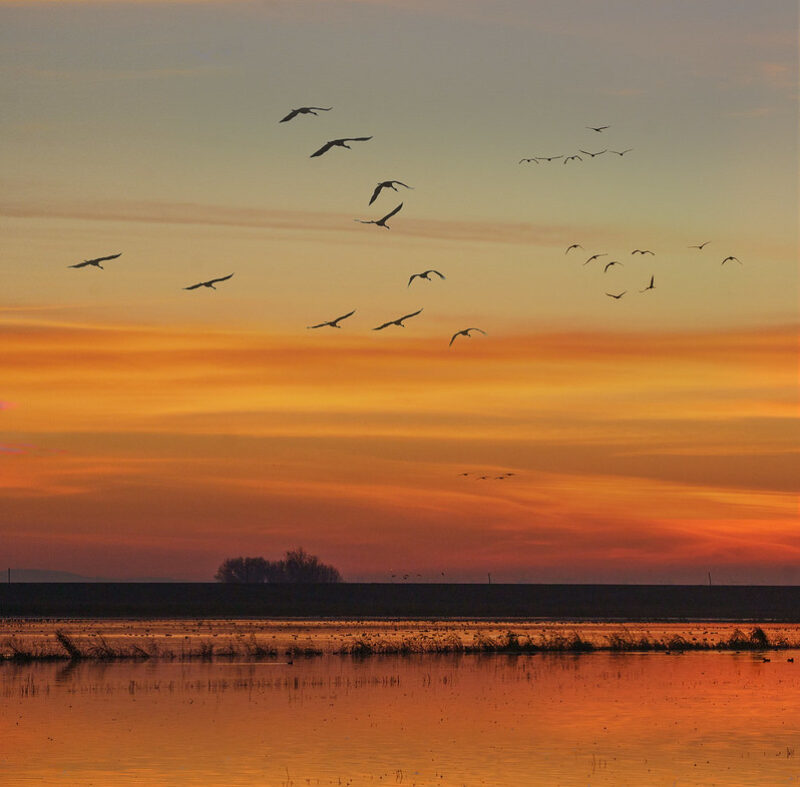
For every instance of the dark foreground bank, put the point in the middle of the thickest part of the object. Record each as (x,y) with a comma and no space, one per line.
(357,600)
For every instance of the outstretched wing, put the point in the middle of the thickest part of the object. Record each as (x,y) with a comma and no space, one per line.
(195,286)
(109,257)
(404,185)
(375,193)
(320,325)
(294,113)
(324,149)
(389,215)
(413,276)
(385,325)
(91,262)
(413,314)
(453,337)
(344,316)
(321,109)
(478,330)
(223,278)
(355,139)
(440,275)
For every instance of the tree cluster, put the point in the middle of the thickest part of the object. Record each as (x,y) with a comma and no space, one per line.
(296,566)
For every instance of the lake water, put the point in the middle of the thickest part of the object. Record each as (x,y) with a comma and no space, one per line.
(700,718)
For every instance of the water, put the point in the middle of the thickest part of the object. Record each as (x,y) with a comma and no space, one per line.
(703,718)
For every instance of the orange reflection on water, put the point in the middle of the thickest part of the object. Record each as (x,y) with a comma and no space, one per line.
(596,719)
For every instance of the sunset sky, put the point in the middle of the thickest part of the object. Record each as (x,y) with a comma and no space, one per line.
(146,430)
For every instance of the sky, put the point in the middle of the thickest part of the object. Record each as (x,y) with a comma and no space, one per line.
(146,430)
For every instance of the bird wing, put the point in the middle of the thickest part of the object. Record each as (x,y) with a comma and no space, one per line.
(292,114)
(321,109)
(109,257)
(404,185)
(440,275)
(80,264)
(324,149)
(354,139)
(194,286)
(478,330)
(413,314)
(389,215)
(453,338)
(222,278)
(344,316)
(375,193)
(413,276)
(320,325)
(385,325)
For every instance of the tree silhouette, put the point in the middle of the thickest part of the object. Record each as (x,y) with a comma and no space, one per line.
(297,566)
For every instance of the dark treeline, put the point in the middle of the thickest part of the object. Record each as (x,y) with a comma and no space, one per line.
(296,566)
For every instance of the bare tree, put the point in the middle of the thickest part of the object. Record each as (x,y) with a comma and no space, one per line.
(297,566)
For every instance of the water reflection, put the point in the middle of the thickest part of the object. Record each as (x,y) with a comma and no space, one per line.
(596,719)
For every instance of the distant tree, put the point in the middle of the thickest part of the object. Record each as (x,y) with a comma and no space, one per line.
(297,566)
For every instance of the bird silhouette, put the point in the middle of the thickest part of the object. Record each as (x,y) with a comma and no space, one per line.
(424,275)
(729,259)
(95,262)
(598,128)
(304,111)
(609,264)
(398,321)
(573,246)
(381,222)
(643,251)
(616,297)
(650,286)
(528,160)
(549,158)
(572,158)
(595,256)
(599,153)
(210,283)
(342,143)
(386,184)
(465,332)
(621,152)
(701,246)
(333,323)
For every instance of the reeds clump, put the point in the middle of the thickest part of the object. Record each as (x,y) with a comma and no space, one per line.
(69,645)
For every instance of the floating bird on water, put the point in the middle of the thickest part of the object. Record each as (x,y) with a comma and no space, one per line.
(424,275)
(573,246)
(609,264)
(465,332)
(572,158)
(621,152)
(386,184)
(96,261)
(304,111)
(398,321)
(342,143)
(728,259)
(333,323)
(650,286)
(210,283)
(381,222)
(701,246)
(643,251)
(598,128)
(595,256)
(616,297)
(599,153)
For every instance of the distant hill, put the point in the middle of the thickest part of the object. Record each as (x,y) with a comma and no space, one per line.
(42,575)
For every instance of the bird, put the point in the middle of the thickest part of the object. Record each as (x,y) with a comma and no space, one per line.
(528,160)
(381,222)
(465,332)
(701,246)
(598,128)
(398,321)
(549,158)
(424,275)
(594,257)
(643,251)
(650,286)
(304,111)
(599,153)
(616,297)
(609,264)
(96,261)
(621,152)
(573,246)
(210,283)
(386,184)
(732,258)
(342,143)
(333,323)
(572,158)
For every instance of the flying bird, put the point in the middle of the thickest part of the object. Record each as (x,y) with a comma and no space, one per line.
(549,158)
(342,143)
(333,323)
(595,256)
(598,128)
(616,297)
(386,184)
(609,264)
(701,246)
(572,158)
(650,286)
(573,246)
(398,321)
(304,111)
(210,283)
(381,222)
(599,153)
(96,261)
(528,160)
(465,332)
(732,258)
(621,152)
(424,275)
(643,251)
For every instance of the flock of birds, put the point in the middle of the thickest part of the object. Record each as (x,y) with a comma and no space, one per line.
(426,274)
